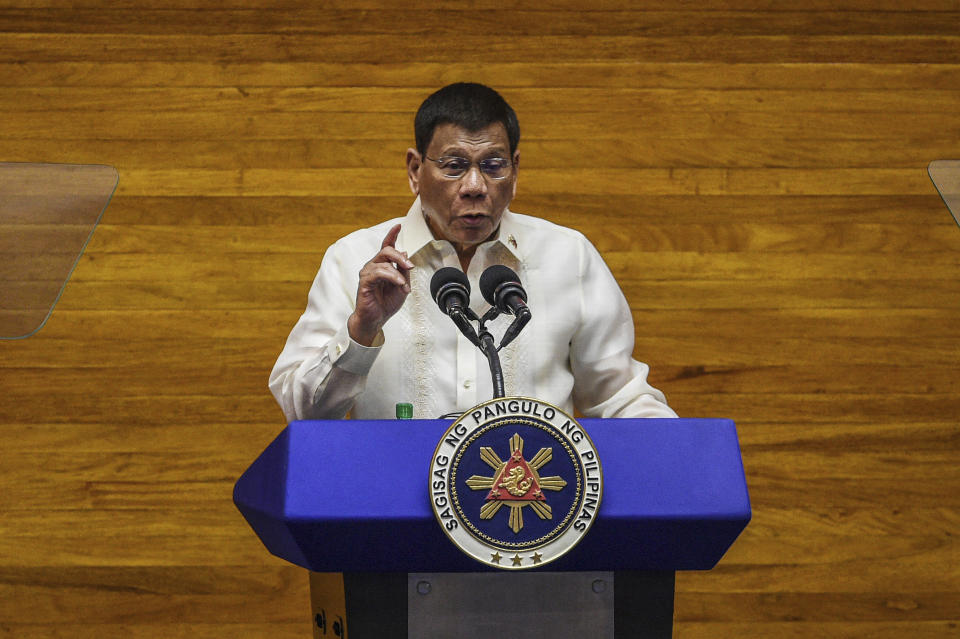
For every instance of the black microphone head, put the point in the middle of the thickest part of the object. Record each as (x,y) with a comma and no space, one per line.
(497,283)
(449,281)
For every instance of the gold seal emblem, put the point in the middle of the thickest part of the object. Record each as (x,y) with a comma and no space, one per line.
(480,470)
(516,483)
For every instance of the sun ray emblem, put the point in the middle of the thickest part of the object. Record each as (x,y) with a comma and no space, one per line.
(516,483)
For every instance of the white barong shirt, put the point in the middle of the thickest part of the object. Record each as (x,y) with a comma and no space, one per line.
(576,352)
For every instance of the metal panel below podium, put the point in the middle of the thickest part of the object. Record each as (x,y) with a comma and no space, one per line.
(535,605)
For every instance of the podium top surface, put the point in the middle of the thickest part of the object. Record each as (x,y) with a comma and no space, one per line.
(353,496)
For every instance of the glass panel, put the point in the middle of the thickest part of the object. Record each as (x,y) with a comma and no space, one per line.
(47,215)
(946,177)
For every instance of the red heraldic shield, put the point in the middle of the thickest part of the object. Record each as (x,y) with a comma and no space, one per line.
(516,481)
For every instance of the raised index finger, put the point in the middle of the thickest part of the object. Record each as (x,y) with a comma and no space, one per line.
(391,238)
(389,253)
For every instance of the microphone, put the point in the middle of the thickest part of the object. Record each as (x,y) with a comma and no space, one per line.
(450,289)
(502,289)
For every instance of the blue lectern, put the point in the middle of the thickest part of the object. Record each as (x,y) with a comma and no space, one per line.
(352,497)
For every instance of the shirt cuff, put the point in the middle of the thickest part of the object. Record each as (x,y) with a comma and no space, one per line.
(351,356)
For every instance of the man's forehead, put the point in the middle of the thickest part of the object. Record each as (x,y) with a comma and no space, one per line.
(449,136)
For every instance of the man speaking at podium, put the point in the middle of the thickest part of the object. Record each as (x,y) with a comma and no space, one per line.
(372,337)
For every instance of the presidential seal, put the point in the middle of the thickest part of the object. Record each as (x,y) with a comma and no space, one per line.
(515,483)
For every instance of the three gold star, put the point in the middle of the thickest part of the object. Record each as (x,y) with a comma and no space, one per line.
(517,560)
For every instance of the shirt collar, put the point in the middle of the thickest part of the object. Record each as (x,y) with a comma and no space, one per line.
(415,234)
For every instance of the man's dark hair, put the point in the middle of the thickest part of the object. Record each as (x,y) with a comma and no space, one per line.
(468,105)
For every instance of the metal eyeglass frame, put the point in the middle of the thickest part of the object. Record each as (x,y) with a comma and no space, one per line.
(470,163)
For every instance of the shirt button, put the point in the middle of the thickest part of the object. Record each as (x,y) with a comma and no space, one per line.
(467,383)
(339,349)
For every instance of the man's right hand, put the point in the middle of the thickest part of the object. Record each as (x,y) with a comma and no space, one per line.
(384,286)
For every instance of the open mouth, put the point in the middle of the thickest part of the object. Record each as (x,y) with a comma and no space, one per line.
(473,219)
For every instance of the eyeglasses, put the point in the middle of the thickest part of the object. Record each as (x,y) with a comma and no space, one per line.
(454,167)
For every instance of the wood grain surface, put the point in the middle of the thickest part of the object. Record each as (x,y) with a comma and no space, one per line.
(753,171)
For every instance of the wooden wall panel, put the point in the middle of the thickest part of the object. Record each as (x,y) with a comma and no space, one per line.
(753,171)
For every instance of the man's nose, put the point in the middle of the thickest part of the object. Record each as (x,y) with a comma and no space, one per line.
(473,183)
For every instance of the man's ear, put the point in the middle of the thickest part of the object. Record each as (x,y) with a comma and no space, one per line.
(414,166)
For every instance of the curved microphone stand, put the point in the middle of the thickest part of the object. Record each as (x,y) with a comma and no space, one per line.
(490,350)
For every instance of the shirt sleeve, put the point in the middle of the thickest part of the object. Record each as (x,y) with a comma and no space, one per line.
(321,371)
(608,382)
